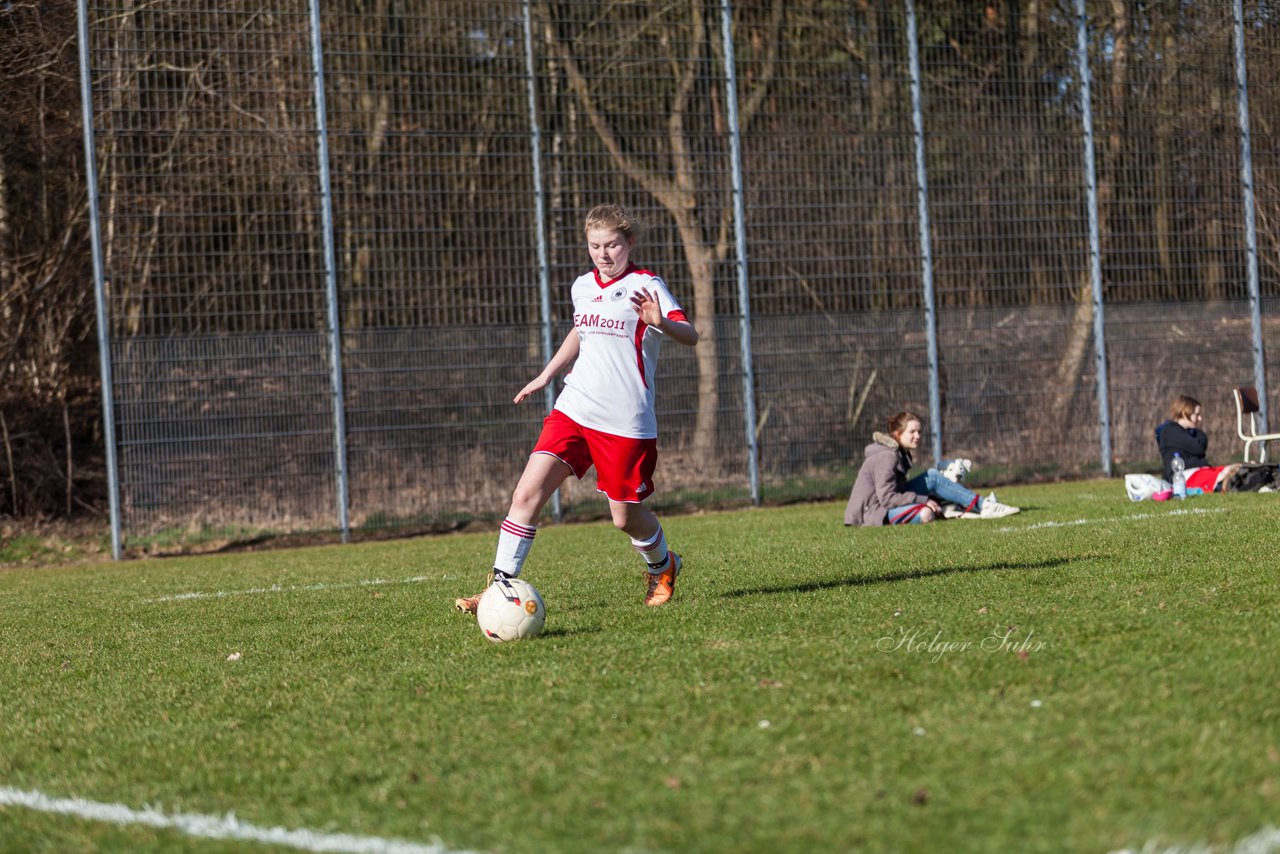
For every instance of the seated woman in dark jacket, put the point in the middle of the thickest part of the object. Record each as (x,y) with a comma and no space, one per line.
(1181,434)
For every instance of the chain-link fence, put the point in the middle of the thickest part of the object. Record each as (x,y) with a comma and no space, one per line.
(335,238)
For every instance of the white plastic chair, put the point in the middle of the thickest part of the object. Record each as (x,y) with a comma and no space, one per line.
(1247,404)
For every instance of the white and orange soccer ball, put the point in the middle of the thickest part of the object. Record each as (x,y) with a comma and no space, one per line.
(511,609)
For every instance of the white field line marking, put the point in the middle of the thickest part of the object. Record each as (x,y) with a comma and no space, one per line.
(278,588)
(1265,841)
(216,826)
(1073,522)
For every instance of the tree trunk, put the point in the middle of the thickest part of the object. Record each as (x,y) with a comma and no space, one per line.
(701,259)
(6,257)
(375,109)
(678,190)
(1163,177)
(1067,379)
(1027,93)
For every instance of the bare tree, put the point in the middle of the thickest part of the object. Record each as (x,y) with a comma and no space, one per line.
(704,228)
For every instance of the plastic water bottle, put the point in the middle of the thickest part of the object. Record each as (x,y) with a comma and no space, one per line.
(1179,476)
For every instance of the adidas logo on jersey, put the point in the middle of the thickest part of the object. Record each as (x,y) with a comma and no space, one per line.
(599,298)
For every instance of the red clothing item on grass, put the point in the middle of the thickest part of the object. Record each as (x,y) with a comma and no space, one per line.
(1204,477)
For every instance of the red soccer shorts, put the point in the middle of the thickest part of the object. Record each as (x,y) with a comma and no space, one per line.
(624,466)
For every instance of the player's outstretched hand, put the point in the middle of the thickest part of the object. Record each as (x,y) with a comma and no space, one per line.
(646,306)
(537,385)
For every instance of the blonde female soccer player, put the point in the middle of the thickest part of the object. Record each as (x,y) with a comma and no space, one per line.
(605,414)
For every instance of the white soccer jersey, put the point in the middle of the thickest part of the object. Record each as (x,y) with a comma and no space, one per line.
(610,387)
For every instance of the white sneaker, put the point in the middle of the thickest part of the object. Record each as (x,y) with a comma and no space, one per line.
(993,509)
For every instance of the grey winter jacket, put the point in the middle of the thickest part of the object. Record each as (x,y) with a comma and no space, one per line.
(881,483)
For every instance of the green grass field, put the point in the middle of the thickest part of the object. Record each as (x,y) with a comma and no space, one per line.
(1089,675)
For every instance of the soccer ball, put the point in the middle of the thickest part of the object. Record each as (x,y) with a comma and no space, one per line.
(511,609)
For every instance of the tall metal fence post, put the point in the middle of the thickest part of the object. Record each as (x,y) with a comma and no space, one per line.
(926,243)
(740,249)
(540,225)
(1250,226)
(99,279)
(1095,237)
(330,274)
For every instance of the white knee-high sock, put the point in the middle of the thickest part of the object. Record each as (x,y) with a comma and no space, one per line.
(514,542)
(654,551)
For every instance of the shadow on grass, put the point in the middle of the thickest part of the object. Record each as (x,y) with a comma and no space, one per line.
(568,633)
(866,580)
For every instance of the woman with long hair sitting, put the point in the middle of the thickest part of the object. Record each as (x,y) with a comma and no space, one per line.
(882,494)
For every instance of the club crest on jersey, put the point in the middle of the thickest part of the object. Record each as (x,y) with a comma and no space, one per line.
(618,293)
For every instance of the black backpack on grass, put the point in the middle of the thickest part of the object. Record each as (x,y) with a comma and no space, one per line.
(1251,477)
